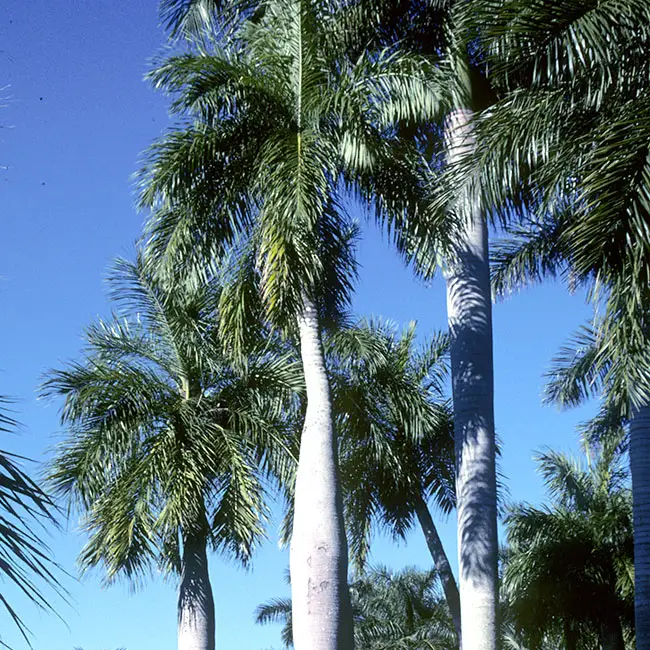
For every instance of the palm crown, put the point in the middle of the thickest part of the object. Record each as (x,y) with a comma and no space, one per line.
(280,125)
(395,425)
(167,439)
(569,565)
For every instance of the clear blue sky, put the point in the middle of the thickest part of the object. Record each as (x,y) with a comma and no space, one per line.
(77,116)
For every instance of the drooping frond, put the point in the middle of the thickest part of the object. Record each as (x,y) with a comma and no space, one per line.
(25,561)
(396,444)
(166,433)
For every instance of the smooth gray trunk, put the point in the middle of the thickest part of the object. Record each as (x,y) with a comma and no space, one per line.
(640,468)
(196,624)
(322,617)
(469,310)
(441,563)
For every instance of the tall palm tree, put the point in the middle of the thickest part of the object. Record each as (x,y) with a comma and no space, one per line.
(396,438)
(569,565)
(25,561)
(565,147)
(435,29)
(392,609)
(169,442)
(278,125)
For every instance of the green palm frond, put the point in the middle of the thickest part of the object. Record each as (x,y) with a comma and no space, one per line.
(391,610)
(569,562)
(25,560)
(194,19)
(277,610)
(395,427)
(566,42)
(579,371)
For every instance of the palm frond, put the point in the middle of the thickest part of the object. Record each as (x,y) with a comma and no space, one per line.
(25,560)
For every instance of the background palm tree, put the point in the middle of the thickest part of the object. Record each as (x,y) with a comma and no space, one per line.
(392,609)
(282,125)
(169,442)
(396,437)
(25,561)
(569,565)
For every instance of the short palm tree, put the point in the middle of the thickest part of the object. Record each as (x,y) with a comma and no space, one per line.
(278,126)
(569,565)
(25,560)
(396,438)
(399,610)
(169,442)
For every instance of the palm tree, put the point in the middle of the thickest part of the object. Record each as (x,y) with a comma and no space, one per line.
(278,125)
(569,565)
(566,148)
(426,28)
(25,560)
(399,610)
(396,438)
(169,442)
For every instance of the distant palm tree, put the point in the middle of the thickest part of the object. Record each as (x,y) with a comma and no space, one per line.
(396,437)
(569,565)
(25,561)
(278,127)
(399,610)
(169,443)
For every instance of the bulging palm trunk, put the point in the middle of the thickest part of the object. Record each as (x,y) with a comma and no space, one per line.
(322,617)
(441,563)
(469,309)
(640,468)
(196,624)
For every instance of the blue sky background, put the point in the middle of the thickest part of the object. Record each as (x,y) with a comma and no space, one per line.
(77,116)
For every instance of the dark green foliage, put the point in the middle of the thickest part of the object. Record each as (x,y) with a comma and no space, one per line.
(569,565)
(396,438)
(400,610)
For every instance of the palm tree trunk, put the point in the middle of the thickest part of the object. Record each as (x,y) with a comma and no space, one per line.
(640,468)
(611,633)
(570,636)
(322,617)
(469,310)
(196,624)
(440,562)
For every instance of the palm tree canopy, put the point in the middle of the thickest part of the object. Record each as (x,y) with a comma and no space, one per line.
(572,561)
(578,69)
(392,609)
(166,435)
(277,125)
(396,438)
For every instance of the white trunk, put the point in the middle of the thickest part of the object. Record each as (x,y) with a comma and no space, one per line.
(441,563)
(640,467)
(469,310)
(322,618)
(196,625)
